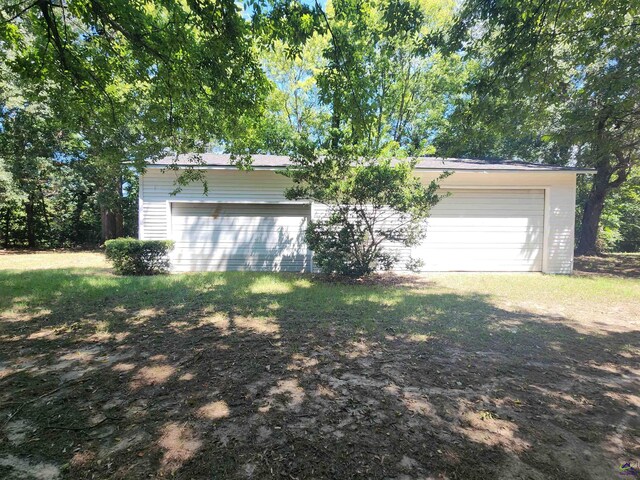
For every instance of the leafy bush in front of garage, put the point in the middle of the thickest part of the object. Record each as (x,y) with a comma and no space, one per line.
(131,256)
(373,210)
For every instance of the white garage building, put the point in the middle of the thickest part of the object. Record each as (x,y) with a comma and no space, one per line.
(509,217)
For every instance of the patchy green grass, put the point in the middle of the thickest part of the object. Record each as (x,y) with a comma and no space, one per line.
(35,260)
(252,375)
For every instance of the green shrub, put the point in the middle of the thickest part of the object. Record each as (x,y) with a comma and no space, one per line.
(131,256)
(372,208)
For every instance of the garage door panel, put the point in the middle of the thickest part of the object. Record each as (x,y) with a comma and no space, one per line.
(478,202)
(461,263)
(479,199)
(486,258)
(179,209)
(242,263)
(497,253)
(189,257)
(237,222)
(475,222)
(239,237)
(487,243)
(462,229)
(485,230)
(472,213)
(494,267)
(517,192)
(500,209)
(202,251)
(485,237)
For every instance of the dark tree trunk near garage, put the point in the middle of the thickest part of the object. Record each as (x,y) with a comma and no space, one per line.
(112,223)
(31,221)
(588,242)
(7,227)
(81,200)
(111,213)
(602,185)
(45,215)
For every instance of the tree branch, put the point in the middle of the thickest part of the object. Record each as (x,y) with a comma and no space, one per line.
(20,13)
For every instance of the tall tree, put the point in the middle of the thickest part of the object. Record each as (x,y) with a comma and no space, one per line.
(387,86)
(292,109)
(620,224)
(10,197)
(563,77)
(29,138)
(132,80)
(383,84)
(171,55)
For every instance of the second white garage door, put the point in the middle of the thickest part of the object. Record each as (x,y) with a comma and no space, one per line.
(485,230)
(227,236)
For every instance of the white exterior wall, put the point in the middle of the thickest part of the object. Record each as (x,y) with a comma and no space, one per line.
(236,236)
(560,206)
(485,230)
(263,186)
(230,186)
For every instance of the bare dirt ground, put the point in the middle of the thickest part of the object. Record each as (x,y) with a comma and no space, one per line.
(264,376)
(618,265)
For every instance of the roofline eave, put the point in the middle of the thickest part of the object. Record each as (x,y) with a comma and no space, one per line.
(583,171)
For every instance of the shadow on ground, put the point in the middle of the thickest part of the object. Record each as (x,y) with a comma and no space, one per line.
(267,376)
(612,265)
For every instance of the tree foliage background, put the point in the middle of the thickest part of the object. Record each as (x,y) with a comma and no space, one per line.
(558,82)
(91,89)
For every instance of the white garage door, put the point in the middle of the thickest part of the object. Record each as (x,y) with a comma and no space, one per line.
(225,236)
(485,230)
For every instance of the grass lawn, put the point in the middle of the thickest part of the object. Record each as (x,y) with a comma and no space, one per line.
(245,375)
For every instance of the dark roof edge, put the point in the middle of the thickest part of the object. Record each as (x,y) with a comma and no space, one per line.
(588,171)
(213,166)
(436,164)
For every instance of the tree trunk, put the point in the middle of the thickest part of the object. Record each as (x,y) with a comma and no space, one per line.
(7,227)
(31,227)
(81,200)
(119,224)
(112,216)
(43,205)
(335,125)
(587,244)
(112,224)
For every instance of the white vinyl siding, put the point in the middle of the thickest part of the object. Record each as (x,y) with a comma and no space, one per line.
(485,230)
(261,187)
(228,236)
(223,186)
(560,226)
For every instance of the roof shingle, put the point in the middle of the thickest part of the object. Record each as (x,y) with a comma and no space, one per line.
(424,163)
